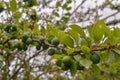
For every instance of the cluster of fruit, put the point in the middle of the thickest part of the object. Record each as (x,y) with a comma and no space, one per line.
(12,29)
(68,62)
(55,42)
(65,62)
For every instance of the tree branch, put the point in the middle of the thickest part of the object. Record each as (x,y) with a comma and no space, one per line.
(15,73)
(113,22)
(111,15)
(96,49)
(77,7)
(46,73)
(37,53)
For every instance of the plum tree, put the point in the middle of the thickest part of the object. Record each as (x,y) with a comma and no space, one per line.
(39,42)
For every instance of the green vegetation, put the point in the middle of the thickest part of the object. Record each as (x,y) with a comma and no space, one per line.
(1,7)
(78,43)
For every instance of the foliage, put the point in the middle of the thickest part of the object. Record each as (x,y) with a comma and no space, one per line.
(29,51)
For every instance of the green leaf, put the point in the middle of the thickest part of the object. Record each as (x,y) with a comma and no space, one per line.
(25,26)
(36,29)
(85,62)
(69,1)
(7,5)
(85,49)
(17,15)
(65,19)
(64,6)
(13,5)
(96,69)
(78,29)
(113,67)
(114,36)
(111,57)
(74,35)
(67,40)
(58,33)
(84,42)
(73,68)
(68,8)
(56,14)
(51,78)
(67,14)
(98,34)
(98,30)
(57,56)
(77,57)
(58,4)
(117,51)
(70,50)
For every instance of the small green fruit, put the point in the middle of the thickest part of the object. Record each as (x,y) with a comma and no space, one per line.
(25,37)
(13,28)
(29,41)
(51,51)
(67,60)
(95,58)
(38,47)
(7,28)
(55,41)
(59,62)
(10,28)
(58,51)
(33,17)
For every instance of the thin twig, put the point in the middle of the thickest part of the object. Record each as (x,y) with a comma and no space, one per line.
(15,73)
(37,53)
(113,22)
(45,73)
(111,15)
(77,7)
